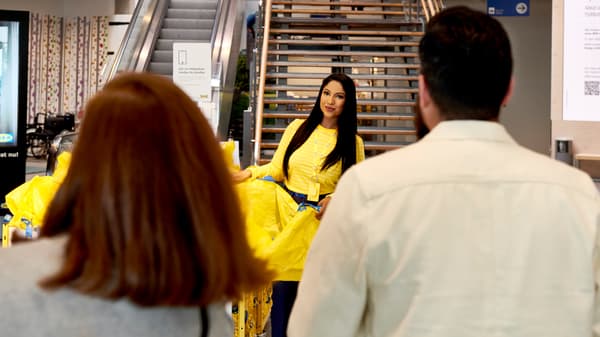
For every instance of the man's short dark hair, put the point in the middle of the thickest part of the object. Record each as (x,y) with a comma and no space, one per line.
(466,61)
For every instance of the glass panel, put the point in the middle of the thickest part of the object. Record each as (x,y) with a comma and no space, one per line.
(9,82)
(129,53)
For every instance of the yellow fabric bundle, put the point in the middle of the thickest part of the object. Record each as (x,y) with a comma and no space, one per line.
(31,199)
(276,228)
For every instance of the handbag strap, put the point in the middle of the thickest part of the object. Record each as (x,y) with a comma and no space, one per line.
(204,322)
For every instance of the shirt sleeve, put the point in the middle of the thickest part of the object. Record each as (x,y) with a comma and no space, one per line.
(332,295)
(360,149)
(596,325)
(275,167)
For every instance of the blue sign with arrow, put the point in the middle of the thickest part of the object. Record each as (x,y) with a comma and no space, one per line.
(508,7)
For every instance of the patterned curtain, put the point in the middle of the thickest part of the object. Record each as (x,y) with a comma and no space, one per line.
(66,57)
(45,64)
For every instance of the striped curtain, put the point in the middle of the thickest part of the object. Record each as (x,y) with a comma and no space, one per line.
(66,58)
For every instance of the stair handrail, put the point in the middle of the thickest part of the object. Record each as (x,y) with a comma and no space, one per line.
(425,10)
(133,23)
(432,10)
(133,42)
(261,82)
(215,38)
(225,51)
(440,4)
(431,7)
(155,23)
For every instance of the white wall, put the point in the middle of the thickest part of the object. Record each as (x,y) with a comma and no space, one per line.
(527,116)
(53,7)
(65,8)
(87,7)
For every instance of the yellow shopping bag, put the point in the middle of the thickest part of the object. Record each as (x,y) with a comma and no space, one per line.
(277,228)
(31,199)
(287,253)
(279,231)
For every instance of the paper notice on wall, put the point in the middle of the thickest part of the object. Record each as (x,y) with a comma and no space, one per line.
(192,69)
(581,63)
(210,112)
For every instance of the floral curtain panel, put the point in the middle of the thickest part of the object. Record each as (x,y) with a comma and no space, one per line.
(66,58)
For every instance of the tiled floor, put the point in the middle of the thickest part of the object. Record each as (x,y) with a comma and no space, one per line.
(34,167)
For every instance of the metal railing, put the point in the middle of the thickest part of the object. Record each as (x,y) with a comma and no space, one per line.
(225,41)
(133,53)
(262,79)
(431,7)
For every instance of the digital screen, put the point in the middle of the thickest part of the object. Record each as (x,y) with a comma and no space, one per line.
(9,83)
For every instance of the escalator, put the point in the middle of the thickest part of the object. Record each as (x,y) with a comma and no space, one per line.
(184,21)
(157,24)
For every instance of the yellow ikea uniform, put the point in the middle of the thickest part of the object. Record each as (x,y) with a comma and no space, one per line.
(277,230)
(304,167)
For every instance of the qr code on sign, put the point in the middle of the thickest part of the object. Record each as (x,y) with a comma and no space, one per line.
(592,88)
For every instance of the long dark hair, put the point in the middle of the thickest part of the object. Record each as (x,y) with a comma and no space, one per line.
(345,146)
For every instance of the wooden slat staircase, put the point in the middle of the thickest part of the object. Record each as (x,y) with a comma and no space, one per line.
(374,42)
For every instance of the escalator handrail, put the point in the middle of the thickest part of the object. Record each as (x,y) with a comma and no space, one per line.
(135,40)
(155,23)
(215,41)
(133,23)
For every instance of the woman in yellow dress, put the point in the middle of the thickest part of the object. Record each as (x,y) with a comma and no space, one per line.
(310,159)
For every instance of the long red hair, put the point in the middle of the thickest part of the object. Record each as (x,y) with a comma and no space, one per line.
(148,203)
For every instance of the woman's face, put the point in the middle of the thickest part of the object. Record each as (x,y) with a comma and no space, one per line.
(333,99)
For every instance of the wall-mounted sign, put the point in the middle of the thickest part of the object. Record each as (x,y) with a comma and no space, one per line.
(192,69)
(581,60)
(508,7)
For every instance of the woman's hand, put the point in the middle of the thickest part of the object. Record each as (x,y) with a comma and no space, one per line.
(241,176)
(323,204)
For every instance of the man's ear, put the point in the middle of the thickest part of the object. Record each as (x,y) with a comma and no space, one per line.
(509,91)
(429,110)
(424,96)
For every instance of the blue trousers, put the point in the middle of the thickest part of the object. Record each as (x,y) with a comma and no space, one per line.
(284,295)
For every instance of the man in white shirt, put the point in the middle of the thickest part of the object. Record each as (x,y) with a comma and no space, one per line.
(464,233)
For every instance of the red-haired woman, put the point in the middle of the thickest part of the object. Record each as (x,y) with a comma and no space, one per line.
(142,238)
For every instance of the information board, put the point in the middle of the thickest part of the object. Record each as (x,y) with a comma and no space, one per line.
(508,7)
(192,69)
(581,63)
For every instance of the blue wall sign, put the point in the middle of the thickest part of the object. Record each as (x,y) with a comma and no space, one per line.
(508,7)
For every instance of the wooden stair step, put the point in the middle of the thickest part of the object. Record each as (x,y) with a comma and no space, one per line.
(295,52)
(344,64)
(369,145)
(360,22)
(374,43)
(362,130)
(354,76)
(292,31)
(384,146)
(337,11)
(365,116)
(315,88)
(360,115)
(371,102)
(395,131)
(344,3)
